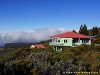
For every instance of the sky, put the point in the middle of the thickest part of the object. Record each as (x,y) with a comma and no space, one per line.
(37,20)
(23,15)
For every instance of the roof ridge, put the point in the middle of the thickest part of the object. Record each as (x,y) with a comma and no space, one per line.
(71,35)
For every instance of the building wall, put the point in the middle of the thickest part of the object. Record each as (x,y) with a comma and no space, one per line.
(62,43)
(69,42)
(32,46)
(80,42)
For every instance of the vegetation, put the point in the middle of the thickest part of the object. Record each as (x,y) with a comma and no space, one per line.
(94,31)
(26,61)
(83,30)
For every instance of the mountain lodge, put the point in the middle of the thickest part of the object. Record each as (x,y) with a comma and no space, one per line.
(69,39)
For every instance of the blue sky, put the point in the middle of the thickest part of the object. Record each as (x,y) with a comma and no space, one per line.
(22,15)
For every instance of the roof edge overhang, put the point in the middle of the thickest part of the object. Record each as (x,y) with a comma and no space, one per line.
(71,37)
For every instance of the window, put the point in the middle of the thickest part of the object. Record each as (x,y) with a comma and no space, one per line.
(53,39)
(65,41)
(58,40)
(87,41)
(75,40)
(82,41)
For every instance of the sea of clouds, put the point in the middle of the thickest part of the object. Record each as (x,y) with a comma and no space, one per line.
(35,35)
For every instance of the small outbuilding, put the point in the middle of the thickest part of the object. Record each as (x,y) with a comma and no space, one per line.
(37,46)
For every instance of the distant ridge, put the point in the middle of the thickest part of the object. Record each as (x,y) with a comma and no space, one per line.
(17,45)
(24,45)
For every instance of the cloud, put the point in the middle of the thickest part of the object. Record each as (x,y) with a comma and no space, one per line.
(32,36)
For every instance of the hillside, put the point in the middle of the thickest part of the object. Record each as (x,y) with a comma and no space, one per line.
(26,61)
(18,45)
(24,45)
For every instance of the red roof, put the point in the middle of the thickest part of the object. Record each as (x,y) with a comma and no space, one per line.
(93,38)
(70,35)
(39,46)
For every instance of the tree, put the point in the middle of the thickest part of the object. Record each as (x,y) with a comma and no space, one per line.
(80,30)
(86,30)
(94,31)
(83,30)
(74,31)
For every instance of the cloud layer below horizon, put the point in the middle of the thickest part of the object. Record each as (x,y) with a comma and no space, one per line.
(32,36)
